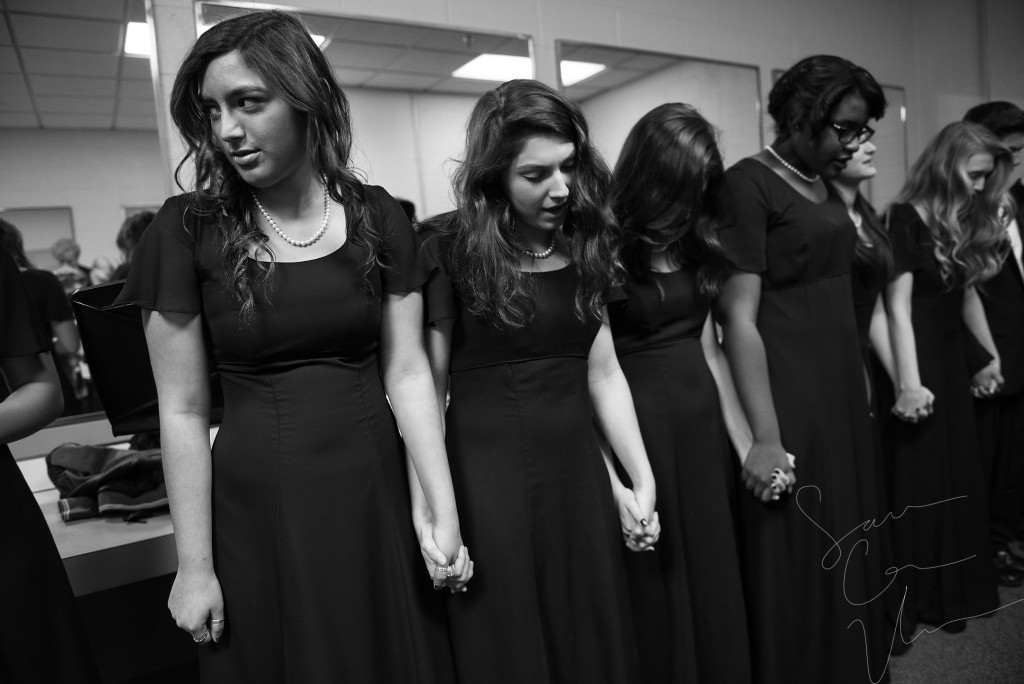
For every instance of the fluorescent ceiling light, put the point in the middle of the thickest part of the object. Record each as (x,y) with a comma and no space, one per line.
(136,39)
(318,39)
(574,72)
(500,68)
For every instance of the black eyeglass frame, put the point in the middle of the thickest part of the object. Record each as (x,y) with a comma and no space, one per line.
(847,135)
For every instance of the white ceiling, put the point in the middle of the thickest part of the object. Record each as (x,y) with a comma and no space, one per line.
(62,66)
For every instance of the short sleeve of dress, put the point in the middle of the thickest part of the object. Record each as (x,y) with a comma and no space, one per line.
(744,232)
(163,276)
(402,273)
(21,333)
(438,294)
(904,227)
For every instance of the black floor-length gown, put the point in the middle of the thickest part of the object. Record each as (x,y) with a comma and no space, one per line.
(936,463)
(809,599)
(548,602)
(687,596)
(42,638)
(313,541)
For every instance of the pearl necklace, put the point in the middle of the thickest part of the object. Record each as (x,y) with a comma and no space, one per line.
(804,178)
(291,241)
(536,255)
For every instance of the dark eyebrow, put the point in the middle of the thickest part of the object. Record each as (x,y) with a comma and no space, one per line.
(234,93)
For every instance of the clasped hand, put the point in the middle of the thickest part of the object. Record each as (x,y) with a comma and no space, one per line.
(447,559)
(638,519)
(914,404)
(761,463)
(987,382)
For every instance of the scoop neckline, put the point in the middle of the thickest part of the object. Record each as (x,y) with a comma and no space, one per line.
(278,262)
(771,171)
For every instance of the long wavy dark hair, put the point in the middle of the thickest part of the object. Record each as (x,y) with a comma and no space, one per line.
(485,264)
(811,89)
(279,48)
(666,194)
(968,228)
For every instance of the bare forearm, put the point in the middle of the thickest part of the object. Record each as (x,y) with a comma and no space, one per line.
(736,424)
(904,350)
(745,351)
(35,399)
(185,440)
(613,406)
(881,343)
(976,321)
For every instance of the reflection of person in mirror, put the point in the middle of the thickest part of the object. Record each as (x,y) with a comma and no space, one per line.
(517,329)
(687,596)
(53,309)
(297,544)
(72,275)
(42,638)
(791,339)
(128,237)
(947,229)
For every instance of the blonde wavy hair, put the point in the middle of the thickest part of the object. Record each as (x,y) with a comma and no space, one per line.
(968,228)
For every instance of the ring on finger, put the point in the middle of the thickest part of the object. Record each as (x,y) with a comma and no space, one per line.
(202,639)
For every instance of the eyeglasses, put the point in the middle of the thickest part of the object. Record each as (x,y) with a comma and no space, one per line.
(848,134)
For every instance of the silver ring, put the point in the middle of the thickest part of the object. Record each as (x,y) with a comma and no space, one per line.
(216,621)
(203,639)
(643,521)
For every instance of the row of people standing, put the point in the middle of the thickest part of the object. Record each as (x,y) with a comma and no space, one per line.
(309,294)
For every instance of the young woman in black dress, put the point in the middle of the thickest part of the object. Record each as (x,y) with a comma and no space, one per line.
(947,228)
(41,636)
(791,339)
(298,285)
(519,277)
(687,597)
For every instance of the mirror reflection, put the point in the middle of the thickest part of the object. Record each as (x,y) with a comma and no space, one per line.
(411,89)
(616,86)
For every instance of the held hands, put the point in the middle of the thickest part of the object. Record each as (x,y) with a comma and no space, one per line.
(987,382)
(768,471)
(438,543)
(637,517)
(914,404)
(197,606)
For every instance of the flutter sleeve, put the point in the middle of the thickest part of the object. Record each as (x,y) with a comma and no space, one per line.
(21,333)
(904,227)
(745,206)
(163,274)
(402,272)
(438,293)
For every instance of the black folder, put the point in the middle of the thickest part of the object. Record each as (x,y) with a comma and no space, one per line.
(115,349)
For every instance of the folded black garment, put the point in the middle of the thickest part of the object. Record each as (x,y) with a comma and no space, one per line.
(95,481)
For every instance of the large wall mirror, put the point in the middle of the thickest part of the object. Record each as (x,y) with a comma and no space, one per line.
(616,86)
(411,89)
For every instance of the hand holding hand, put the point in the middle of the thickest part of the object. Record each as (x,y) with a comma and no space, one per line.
(639,521)
(987,382)
(914,404)
(433,538)
(762,463)
(197,605)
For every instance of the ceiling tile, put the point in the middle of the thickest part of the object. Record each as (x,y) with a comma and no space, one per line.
(650,63)
(582,93)
(613,78)
(441,64)
(136,68)
(67,34)
(18,120)
(136,90)
(595,54)
(352,77)
(9,60)
(377,32)
(396,81)
(464,86)
(93,9)
(127,107)
(362,55)
(76,105)
(14,95)
(136,123)
(72,86)
(76,121)
(517,47)
(454,41)
(5,34)
(68,63)
(136,10)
